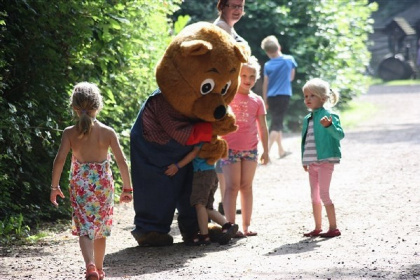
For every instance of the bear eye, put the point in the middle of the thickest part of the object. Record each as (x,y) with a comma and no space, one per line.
(207,86)
(226,87)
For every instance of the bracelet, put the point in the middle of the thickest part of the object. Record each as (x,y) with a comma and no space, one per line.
(55,188)
(128,190)
(177,166)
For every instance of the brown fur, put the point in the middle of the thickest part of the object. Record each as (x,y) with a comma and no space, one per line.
(203,54)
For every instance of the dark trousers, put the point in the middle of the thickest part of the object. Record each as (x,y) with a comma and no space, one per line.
(156,195)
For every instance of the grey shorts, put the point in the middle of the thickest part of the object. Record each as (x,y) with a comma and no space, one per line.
(204,187)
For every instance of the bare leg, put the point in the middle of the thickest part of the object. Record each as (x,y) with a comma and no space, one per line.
(331,216)
(222,184)
(216,217)
(86,245)
(247,176)
(276,137)
(203,219)
(279,144)
(99,246)
(317,211)
(272,138)
(232,174)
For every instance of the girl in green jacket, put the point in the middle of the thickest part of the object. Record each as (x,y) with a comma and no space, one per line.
(321,135)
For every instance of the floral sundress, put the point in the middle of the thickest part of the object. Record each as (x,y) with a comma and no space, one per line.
(92,198)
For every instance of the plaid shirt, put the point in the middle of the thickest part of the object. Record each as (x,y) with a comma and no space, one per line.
(161,122)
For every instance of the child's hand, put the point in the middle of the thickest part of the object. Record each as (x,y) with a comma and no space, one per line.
(126,197)
(172,170)
(264,159)
(53,195)
(326,121)
(305,167)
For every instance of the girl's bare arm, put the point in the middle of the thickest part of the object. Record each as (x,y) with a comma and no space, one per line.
(263,132)
(58,165)
(120,159)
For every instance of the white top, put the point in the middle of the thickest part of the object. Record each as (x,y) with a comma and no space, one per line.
(229,29)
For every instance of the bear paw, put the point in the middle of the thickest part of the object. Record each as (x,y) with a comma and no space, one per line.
(152,239)
(215,232)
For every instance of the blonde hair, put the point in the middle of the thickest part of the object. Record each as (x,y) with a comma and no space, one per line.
(270,44)
(85,100)
(322,89)
(253,63)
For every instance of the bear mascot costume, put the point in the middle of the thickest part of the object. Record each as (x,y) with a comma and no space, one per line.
(197,79)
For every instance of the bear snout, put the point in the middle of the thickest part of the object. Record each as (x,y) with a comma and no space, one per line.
(219,112)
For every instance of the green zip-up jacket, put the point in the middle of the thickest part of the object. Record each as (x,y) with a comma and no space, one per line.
(327,139)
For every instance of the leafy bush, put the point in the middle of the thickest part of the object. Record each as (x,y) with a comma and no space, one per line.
(13,228)
(47,47)
(327,40)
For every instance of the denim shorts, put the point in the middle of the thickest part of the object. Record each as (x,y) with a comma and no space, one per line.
(218,167)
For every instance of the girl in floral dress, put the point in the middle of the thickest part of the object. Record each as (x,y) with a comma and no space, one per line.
(91,181)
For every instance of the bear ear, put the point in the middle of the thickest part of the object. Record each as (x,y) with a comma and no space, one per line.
(195,47)
(242,51)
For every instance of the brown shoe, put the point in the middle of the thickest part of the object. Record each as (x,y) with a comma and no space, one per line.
(152,239)
(228,232)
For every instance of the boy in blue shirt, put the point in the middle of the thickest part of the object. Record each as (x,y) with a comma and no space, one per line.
(279,72)
(204,187)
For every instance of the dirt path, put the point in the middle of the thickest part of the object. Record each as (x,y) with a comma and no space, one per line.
(376,190)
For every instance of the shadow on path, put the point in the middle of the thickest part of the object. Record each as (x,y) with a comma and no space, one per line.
(137,261)
(305,245)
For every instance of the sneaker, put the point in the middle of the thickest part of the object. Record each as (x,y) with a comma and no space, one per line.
(285,154)
(331,233)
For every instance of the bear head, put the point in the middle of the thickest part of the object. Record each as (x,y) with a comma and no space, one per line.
(199,71)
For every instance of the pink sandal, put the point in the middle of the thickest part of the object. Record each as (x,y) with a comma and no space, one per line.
(250,233)
(91,272)
(331,233)
(315,232)
(239,234)
(101,274)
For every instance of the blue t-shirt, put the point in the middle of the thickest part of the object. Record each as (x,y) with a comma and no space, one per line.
(200,164)
(278,71)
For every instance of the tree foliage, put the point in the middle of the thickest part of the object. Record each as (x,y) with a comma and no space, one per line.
(328,39)
(47,47)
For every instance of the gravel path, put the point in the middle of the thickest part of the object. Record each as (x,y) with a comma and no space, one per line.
(376,191)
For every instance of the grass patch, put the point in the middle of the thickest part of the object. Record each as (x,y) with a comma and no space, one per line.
(37,237)
(356,113)
(377,81)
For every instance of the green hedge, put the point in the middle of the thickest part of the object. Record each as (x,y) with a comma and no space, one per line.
(47,47)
